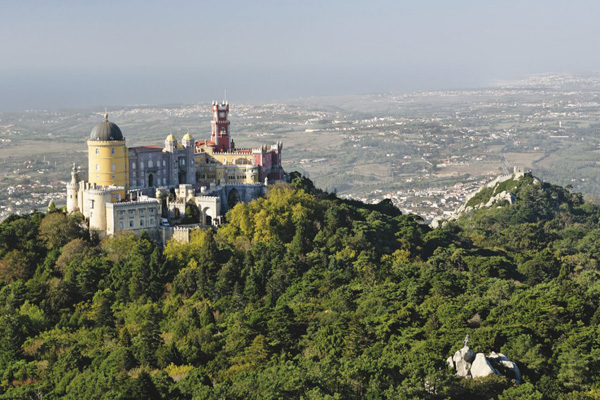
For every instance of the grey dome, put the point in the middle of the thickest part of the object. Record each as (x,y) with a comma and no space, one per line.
(106,130)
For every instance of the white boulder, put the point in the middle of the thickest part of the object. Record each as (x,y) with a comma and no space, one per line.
(481,367)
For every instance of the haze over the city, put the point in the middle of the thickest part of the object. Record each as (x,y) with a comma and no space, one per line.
(80,54)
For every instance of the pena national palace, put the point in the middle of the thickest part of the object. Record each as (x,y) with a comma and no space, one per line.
(149,187)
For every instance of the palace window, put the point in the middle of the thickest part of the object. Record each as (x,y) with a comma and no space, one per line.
(142,165)
(112,150)
(131,213)
(150,164)
(121,214)
(151,222)
(97,167)
(133,165)
(141,222)
(114,167)
(142,212)
(97,150)
(131,224)
(121,225)
(164,163)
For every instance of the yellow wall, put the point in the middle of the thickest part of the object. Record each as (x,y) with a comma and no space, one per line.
(214,167)
(101,161)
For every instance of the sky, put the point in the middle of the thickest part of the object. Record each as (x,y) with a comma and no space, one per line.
(72,53)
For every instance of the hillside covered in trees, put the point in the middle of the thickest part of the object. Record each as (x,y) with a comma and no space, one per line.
(303,295)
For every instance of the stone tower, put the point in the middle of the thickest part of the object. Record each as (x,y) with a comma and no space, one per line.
(171,148)
(188,145)
(72,191)
(108,157)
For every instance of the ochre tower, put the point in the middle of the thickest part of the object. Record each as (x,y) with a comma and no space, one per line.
(220,126)
(108,157)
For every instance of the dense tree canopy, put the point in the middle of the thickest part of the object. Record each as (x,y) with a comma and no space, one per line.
(305,295)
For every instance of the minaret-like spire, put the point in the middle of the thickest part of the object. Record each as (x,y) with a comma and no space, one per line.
(105,114)
(74,175)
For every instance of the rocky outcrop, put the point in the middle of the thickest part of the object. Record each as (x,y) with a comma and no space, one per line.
(496,198)
(470,365)
(501,197)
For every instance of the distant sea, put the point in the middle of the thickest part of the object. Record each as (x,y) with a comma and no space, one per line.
(26,90)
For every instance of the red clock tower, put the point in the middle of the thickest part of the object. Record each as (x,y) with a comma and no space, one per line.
(220,126)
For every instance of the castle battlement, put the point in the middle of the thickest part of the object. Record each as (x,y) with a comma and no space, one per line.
(129,203)
(182,228)
(240,151)
(250,185)
(206,198)
(102,191)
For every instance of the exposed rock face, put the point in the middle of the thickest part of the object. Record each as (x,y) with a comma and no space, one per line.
(482,367)
(461,361)
(457,357)
(470,365)
(508,196)
(497,198)
(467,354)
(501,362)
(463,368)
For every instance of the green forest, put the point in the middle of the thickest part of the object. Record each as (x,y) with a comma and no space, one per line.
(303,295)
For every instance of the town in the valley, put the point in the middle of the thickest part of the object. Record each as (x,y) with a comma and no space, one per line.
(426,151)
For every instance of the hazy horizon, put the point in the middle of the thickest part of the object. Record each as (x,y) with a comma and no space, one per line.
(70,54)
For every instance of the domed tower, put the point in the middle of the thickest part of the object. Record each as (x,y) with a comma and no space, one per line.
(171,148)
(171,143)
(108,156)
(187,140)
